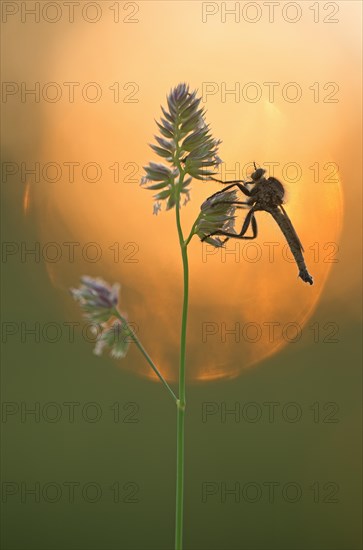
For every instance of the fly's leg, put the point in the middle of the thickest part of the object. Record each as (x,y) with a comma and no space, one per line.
(230,185)
(250,219)
(231,202)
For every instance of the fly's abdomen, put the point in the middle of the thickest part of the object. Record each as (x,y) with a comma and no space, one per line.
(293,241)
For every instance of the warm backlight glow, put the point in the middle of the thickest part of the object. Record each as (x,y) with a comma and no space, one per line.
(246,301)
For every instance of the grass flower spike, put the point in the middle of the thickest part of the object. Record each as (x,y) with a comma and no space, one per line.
(186,144)
(96,298)
(217,214)
(98,301)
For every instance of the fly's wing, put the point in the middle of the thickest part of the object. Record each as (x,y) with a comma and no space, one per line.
(291,227)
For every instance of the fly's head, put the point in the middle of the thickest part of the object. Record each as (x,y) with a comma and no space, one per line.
(258,174)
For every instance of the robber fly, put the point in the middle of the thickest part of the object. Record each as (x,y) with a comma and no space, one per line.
(266,194)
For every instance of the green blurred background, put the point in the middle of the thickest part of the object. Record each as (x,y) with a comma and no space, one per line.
(134,441)
(118,452)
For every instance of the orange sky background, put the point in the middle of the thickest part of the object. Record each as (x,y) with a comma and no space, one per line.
(170,44)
